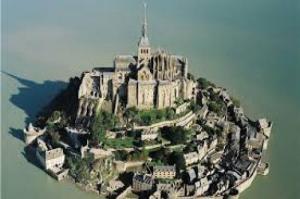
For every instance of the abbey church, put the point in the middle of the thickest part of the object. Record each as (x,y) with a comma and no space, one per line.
(150,79)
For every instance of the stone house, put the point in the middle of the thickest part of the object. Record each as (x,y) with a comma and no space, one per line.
(142,182)
(202,186)
(51,159)
(191,158)
(31,133)
(265,126)
(164,172)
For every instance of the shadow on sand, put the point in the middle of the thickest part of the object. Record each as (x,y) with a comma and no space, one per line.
(32,98)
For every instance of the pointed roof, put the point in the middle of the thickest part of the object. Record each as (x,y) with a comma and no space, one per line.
(144,41)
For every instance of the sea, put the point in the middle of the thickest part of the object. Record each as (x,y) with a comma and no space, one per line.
(250,47)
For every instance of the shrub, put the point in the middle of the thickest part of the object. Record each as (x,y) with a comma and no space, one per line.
(204,83)
(177,135)
(100,123)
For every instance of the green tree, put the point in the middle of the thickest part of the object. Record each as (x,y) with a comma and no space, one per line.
(176,158)
(191,76)
(170,113)
(194,106)
(204,83)
(80,168)
(100,123)
(131,114)
(235,102)
(177,135)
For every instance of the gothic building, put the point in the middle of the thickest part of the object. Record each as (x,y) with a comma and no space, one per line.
(150,79)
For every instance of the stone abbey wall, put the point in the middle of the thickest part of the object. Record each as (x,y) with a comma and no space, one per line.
(150,79)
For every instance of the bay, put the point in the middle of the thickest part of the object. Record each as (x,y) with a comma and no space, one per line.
(250,47)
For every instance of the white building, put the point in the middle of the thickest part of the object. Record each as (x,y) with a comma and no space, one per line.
(31,133)
(51,159)
(142,182)
(202,135)
(191,158)
(167,172)
(265,126)
(202,150)
(202,186)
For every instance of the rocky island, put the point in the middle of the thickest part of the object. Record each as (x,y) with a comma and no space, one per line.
(147,128)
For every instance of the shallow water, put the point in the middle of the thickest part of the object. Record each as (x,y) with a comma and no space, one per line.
(250,47)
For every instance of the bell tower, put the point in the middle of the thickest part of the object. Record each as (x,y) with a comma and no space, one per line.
(144,50)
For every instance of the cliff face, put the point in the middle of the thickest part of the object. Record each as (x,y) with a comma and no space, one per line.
(66,102)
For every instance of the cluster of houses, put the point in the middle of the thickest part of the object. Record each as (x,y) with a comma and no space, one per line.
(211,169)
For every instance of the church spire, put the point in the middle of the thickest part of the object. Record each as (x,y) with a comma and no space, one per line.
(144,50)
(144,41)
(144,30)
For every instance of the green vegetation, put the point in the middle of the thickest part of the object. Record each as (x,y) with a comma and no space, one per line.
(192,146)
(210,131)
(216,107)
(54,136)
(176,157)
(148,117)
(235,102)
(194,106)
(179,101)
(119,143)
(216,104)
(80,168)
(204,83)
(121,155)
(138,155)
(55,116)
(65,102)
(191,76)
(177,135)
(100,123)
(165,156)
(134,134)
(160,156)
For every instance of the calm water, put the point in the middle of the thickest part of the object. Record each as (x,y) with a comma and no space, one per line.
(250,47)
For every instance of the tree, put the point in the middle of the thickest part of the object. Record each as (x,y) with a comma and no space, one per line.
(139,155)
(217,107)
(179,101)
(204,83)
(80,168)
(160,155)
(170,113)
(177,135)
(55,116)
(176,158)
(235,102)
(191,76)
(100,123)
(194,106)
(121,155)
(131,114)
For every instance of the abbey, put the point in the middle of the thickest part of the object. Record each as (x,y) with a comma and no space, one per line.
(150,79)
